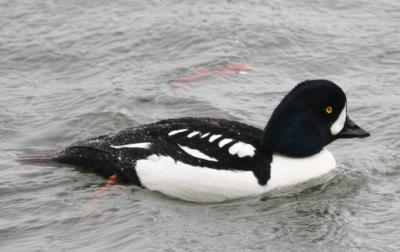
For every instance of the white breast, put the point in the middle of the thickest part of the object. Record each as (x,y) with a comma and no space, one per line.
(201,184)
(287,171)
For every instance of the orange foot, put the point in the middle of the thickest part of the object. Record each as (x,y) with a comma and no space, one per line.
(110,181)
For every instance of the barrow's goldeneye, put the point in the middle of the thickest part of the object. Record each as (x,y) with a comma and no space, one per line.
(211,160)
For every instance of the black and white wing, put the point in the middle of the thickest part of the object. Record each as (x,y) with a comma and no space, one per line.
(201,142)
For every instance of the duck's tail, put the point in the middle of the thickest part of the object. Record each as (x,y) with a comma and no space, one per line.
(86,157)
(39,157)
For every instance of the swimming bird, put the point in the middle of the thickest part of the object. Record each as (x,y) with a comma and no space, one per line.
(214,160)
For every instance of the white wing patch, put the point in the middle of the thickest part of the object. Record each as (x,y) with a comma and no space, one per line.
(197,154)
(193,134)
(145,145)
(224,142)
(242,149)
(213,138)
(205,135)
(174,132)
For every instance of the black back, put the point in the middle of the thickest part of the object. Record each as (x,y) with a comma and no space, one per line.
(98,155)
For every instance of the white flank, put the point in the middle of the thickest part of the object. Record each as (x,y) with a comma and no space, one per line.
(193,134)
(174,132)
(202,184)
(224,142)
(198,184)
(242,149)
(338,125)
(213,138)
(135,145)
(197,153)
(205,135)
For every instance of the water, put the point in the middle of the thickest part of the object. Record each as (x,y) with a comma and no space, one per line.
(74,69)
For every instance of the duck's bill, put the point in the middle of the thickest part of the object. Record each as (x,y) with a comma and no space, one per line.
(351,130)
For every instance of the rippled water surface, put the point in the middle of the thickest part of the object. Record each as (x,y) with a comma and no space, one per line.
(74,69)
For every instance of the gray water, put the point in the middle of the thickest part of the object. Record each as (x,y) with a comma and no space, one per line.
(75,69)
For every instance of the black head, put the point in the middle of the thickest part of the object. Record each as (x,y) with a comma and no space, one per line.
(311,116)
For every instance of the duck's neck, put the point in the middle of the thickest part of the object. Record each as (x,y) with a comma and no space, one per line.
(291,143)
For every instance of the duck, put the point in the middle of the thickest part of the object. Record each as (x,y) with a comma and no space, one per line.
(203,160)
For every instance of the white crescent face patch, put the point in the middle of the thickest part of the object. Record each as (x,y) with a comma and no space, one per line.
(338,125)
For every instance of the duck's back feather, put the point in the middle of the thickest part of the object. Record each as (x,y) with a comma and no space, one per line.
(202,142)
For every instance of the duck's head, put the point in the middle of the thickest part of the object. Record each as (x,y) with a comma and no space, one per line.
(310,116)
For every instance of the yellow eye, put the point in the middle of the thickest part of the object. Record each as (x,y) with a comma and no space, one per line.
(329,110)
